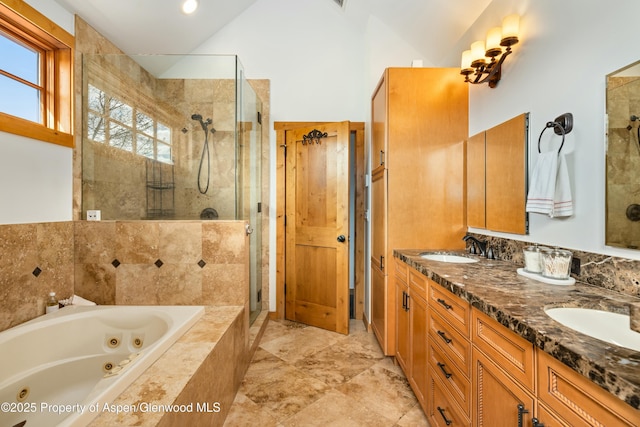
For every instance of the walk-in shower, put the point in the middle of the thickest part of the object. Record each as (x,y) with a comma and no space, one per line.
(173,137)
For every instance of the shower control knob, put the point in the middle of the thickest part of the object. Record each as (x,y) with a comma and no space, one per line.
(341,238)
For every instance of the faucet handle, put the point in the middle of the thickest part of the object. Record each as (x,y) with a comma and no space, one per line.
(490,254)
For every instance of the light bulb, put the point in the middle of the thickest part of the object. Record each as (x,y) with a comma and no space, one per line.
(189,6)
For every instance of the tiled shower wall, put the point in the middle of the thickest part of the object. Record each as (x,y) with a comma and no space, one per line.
(122,262)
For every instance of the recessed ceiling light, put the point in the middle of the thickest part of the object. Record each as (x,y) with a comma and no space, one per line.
(189,6)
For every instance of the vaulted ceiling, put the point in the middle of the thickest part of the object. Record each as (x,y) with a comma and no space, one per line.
(157,26)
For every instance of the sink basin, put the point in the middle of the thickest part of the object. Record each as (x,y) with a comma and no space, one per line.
(459,259)
(613,328)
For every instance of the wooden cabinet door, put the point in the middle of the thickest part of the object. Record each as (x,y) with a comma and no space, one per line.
(378,304)
(498,401)
(403,344)
(506,163)
(476,181)
(418,331)
(379,125)
(379,220)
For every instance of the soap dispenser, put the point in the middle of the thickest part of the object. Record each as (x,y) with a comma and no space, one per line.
(52,303)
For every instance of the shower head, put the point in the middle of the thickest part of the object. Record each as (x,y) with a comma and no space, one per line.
(204,123)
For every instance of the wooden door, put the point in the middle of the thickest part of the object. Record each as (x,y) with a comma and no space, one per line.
(317,226)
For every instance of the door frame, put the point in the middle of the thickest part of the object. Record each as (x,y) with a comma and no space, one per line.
(356,128)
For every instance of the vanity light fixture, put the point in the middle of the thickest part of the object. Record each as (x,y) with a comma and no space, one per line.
(189,6)
(474,66)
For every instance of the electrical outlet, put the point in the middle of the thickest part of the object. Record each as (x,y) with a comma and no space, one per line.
(575,266)
(93,215)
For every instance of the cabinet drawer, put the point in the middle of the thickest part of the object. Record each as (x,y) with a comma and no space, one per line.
(400,270)
(451,377)
(452,308)
(581,402)
(442,411)
(510,351)
(418,283)
(451,342)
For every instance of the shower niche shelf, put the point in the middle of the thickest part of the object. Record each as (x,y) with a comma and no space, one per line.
(160,190)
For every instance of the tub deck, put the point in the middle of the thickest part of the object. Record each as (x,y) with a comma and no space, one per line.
(197,377)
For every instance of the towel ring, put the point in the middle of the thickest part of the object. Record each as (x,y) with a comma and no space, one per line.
(562,125)
(552,125)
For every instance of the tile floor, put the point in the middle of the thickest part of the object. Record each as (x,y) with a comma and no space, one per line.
(305,376)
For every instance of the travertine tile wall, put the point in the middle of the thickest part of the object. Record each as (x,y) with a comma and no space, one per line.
(35,259)
(122,262)
(162,262)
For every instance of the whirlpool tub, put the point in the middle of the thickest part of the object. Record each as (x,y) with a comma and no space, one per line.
(62,368)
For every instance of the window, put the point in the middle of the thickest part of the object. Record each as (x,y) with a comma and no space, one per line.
(36,84)
(114,122)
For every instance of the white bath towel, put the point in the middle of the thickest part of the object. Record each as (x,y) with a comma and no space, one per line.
(543,184)
(562,200)
(550,189)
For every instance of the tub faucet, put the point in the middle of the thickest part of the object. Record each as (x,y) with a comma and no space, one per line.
(481,245)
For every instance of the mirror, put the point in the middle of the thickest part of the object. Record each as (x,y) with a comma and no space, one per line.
(495,157)
(623,158)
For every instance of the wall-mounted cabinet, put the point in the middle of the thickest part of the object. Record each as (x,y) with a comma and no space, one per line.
(497,177)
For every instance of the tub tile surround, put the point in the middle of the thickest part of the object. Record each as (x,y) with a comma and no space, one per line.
(495,288)
(214,348)
(23,249)
(79,257)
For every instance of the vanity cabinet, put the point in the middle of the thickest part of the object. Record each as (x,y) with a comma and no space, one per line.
(411,327)
(449,358)
(419,124)
(480,373)
(497,177)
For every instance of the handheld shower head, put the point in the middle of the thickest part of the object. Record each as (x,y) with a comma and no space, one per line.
(204,123)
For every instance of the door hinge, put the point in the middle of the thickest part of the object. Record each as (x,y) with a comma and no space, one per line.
(259,296)
(259,207)
(259,117)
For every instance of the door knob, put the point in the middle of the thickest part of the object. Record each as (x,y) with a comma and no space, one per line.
(341,238)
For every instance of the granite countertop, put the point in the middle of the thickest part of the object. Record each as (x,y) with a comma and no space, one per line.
(517,302)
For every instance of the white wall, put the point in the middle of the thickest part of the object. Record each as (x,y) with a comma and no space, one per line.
(559,66)
(323,62)
(35,176)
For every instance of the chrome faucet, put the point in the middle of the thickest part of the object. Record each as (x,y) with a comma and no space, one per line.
(481,245)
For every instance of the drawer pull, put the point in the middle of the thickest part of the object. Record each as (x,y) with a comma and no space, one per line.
(521,411)
(446,374)
(536,422)
(444,304)
(404,300)
(446,421)
(444,337)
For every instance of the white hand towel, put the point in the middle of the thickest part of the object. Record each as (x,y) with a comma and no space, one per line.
(543,184)
(562,200)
